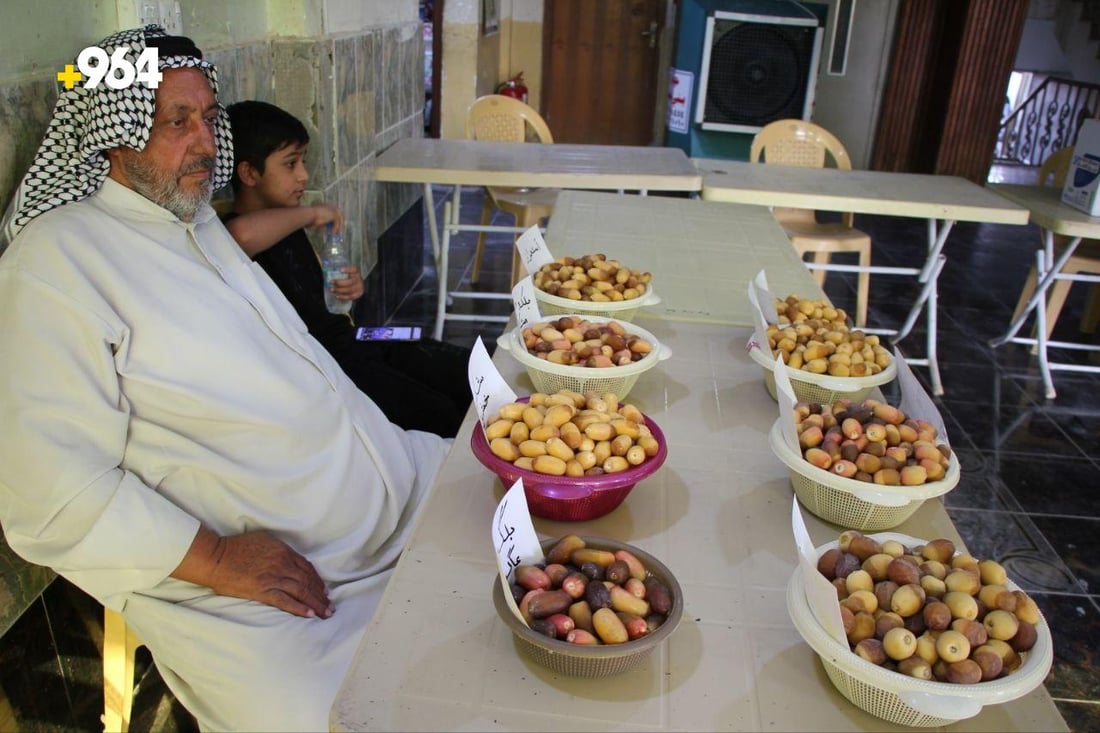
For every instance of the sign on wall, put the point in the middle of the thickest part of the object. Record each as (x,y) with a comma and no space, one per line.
(680,84)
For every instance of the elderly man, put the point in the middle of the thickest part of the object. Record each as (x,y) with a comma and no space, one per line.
(174,441)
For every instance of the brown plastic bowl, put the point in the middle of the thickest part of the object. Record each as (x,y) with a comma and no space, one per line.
(576,660)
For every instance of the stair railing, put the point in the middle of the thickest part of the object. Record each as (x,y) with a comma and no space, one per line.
(1047,121)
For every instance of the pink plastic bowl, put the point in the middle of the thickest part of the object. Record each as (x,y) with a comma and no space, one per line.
(568,498)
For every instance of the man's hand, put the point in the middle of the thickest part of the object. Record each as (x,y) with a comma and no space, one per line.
(258,567)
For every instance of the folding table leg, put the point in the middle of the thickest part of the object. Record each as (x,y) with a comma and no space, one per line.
(927,300)
(433,232)
(1041,263)
(441,267)
(1040,294)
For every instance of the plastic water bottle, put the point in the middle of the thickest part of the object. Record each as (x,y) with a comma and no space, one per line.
(334,260)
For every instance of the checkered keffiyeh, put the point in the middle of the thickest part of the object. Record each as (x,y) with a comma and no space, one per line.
(70,164)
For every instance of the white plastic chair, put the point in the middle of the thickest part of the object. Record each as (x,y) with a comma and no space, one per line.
(499,118)
(803,143)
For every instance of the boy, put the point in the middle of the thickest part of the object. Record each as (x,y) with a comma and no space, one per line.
(419,385)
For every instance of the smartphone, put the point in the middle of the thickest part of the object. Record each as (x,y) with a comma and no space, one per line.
(388,333)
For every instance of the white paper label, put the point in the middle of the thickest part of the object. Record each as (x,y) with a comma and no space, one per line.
(533,252)
(525,304)
(820,593)
(784,394)
(514,539)
(762,305)
(489,389)
(915,401)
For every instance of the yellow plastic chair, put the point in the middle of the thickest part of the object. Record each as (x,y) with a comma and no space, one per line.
(120,645)
(498,118)
(1086,258)
(803,143)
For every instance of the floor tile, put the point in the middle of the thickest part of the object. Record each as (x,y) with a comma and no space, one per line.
(1074,623)
(1076,539)
(1013,540)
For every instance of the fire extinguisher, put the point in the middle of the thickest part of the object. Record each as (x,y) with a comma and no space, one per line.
(514,88)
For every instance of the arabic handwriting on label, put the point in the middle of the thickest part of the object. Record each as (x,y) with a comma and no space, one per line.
(506,544)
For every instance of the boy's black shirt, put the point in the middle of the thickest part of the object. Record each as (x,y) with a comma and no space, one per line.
(292,264)
(419,385)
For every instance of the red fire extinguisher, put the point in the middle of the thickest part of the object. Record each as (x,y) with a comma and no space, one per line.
(514,88)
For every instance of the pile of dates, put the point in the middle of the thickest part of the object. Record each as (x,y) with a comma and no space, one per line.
(593,278)
(870,441)
(588,596)
(928,611)
(814,337)
(575,341)
(570,434)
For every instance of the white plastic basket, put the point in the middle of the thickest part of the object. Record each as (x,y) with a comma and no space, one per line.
(850,503)
(621,310)
(549,377)
(821,388)
(904,700)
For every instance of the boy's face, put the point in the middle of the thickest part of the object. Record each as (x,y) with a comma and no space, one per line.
(284,178)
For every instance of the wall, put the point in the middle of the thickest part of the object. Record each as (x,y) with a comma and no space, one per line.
(460,67)
(848,105)
(524,52)
(474,64)
(351,70)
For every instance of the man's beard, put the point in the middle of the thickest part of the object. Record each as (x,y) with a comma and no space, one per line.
(163,188)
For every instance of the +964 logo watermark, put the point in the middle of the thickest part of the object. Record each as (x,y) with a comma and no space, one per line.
(95,67)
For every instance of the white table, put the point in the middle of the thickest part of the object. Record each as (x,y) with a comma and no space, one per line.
(702,253)
(477,163)
(1053,217)
(941,200)
(436,656)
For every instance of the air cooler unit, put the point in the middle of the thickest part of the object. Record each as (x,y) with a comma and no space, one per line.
(758,68)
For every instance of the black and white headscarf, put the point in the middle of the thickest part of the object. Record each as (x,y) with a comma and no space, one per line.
(70,163)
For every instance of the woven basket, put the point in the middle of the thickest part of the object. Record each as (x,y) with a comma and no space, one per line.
(621,310)
(822,388)
(904,700)
(850,503)
(550,378)
(604,660)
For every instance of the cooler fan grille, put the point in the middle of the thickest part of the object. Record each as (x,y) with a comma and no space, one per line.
(758,73)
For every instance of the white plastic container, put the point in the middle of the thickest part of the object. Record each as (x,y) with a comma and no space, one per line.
(549,377)
(904,700)
(621,310)
(821,388)
(850,503)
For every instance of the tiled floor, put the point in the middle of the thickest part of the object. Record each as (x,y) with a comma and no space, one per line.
(1028,496)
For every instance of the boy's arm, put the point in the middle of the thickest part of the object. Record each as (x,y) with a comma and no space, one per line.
(256,231)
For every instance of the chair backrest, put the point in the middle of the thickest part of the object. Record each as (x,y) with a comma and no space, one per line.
(802,143)
(798,142)
(505,119)
(1054,169)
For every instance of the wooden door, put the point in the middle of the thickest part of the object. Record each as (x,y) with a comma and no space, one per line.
(943,102)
(599,70)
